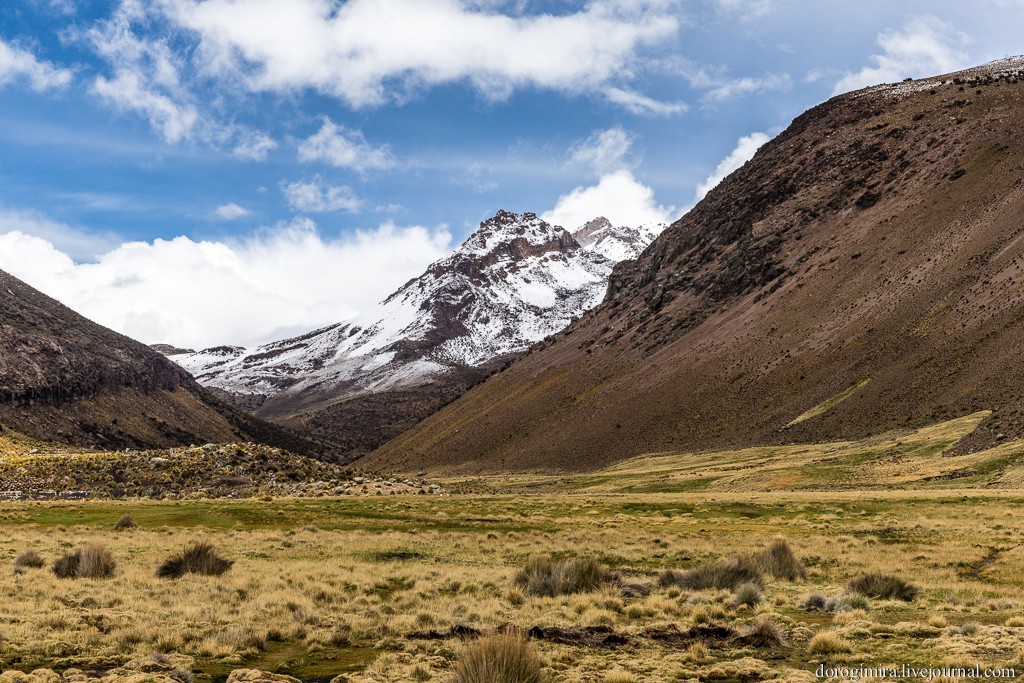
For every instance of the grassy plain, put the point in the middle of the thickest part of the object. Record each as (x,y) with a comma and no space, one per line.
(393,588)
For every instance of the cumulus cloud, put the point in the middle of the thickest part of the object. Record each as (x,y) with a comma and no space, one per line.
(744,151)
(319,197)
(231,212)
(284,281)
(253,145)
(368,52)
(344,148)
(163,54)
(925,46)
(603,152)
(16,64)
(618,196)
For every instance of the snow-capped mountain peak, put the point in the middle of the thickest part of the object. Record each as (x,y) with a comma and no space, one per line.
(507,230)
(617,243)
(514,281)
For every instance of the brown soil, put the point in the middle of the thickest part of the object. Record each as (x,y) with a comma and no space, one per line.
(880,236)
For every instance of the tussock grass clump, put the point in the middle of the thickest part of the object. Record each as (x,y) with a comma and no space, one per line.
(813,602)
(748,594)
(816,602)
(828,643)
(547,577)
(198,558)
(763,632)
(780,562)
(96,563)
(619,676)
(726,574)
(66,566)
(29,559)
(499,659)
(126,522)
(89,562)
(968,629)
(884,586)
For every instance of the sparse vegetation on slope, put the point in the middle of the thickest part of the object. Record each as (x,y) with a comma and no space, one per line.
(234,470)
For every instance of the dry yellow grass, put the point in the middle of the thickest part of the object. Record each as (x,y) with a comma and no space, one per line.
(903,460)
(356,587)
(386,589)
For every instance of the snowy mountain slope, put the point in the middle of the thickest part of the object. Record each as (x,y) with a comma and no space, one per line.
(616,243)
(513,282)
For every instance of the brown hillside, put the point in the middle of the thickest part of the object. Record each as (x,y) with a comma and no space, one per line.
(64,378)
(880,237)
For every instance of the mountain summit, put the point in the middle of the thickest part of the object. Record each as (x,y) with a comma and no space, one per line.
(864,272)
(514,281)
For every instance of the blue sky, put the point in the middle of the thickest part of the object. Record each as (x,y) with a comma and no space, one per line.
(231,171)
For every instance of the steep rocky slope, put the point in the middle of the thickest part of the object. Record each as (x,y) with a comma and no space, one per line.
(514,281)
(863,272)
(64,378)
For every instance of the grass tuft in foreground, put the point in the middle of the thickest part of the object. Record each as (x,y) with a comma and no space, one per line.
(29,559)
(198,558)
(126,522)
(547,577)
(780,562)
(727,574)
(763,632)
(502,658)
(92,561)
(829,643)
(884,586)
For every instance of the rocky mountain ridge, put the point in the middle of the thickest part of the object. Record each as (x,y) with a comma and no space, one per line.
(64,378)
(864,272)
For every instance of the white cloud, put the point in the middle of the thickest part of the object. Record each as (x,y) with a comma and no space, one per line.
(635,103)
(603,152)
(747,85)
(82,245)
(319,197)
(719,85)
(618,196)
(284,281)
(253,145)
(16,63)
(146,74)
(745,149)
(151,79)
(368,52)
(128,91)
(925,46)
(344,148)
(231,212)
